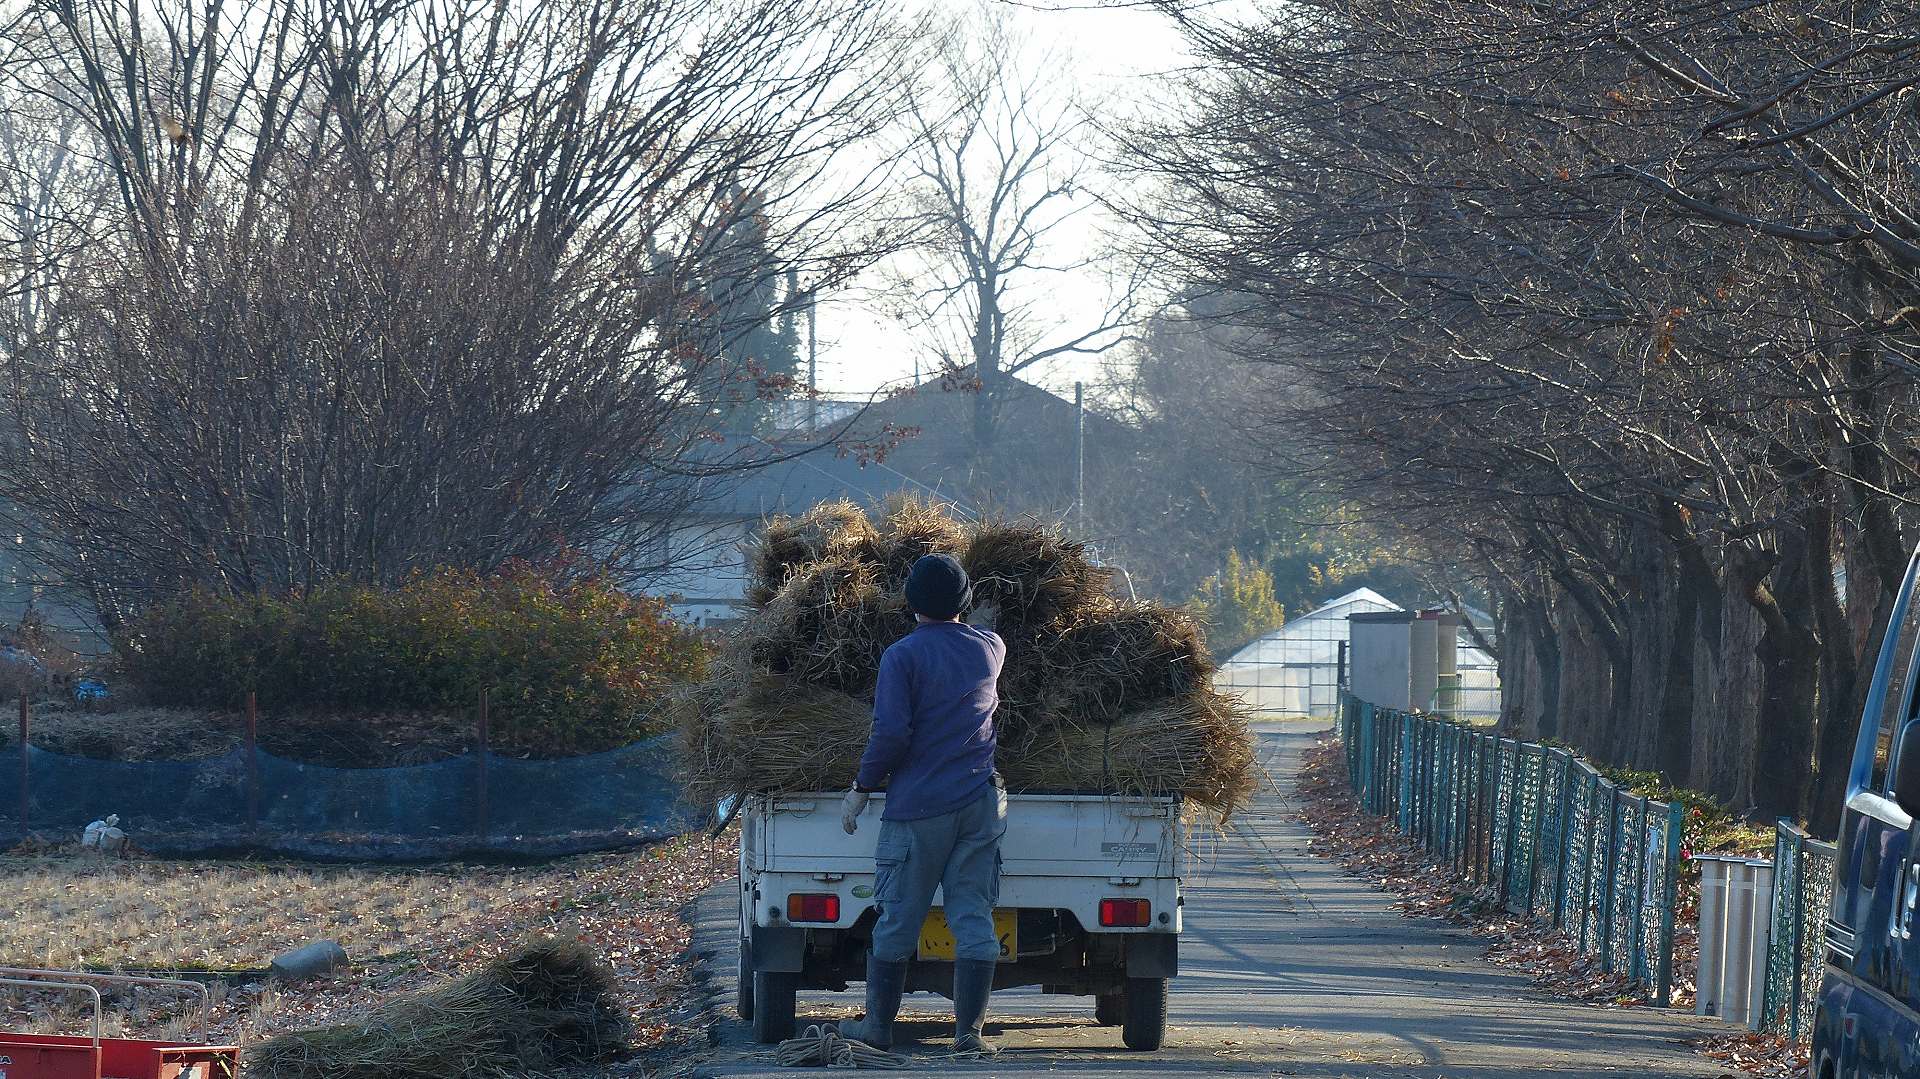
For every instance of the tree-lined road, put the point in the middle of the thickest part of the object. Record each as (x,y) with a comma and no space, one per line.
(1288,968)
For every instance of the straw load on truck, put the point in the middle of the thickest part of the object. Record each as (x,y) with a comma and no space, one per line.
(1098,694)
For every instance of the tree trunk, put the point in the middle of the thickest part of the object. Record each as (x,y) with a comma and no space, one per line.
(1789,656)
(1726,701)
(1848,675)
(1696,604)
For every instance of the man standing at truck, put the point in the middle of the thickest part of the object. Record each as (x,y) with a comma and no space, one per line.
(932,750)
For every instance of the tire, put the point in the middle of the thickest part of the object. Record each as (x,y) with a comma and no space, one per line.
(743,985)
(1145,1026)
(773,993)
(1110,1009)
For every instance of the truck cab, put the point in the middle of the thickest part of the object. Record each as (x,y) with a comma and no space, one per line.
(1867,1019)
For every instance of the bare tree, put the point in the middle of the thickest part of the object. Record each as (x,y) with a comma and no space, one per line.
(384,285)
(1609,301)
(998,152)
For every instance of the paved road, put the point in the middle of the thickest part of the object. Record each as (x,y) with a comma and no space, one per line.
(1288,968)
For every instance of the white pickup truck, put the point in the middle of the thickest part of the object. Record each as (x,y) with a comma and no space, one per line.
(1090,905)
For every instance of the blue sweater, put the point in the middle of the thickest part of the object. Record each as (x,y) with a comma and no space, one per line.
(932,744)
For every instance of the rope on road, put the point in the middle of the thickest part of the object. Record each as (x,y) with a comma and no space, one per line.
(822,1046)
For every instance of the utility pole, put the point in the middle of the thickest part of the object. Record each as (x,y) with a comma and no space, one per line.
(813,365)
(1080,456)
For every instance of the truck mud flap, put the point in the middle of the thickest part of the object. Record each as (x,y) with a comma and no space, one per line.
(1153,955)
(779,948)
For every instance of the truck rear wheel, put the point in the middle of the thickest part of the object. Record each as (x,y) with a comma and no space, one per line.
(1145,1027)
(743,985)
(773,993)
(1110,1009)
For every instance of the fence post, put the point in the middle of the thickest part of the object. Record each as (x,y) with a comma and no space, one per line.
(253,761)
(1637,953)
(480,807)
(1613,865)
(1592,796)
(1539,831)
(1514,780)
(1495,760)
(1799,901)
(26,770)
(1676,831)
(1409,776)
(1566,839)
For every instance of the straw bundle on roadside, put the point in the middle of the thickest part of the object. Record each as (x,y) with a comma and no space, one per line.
(544,1008)
(1096,695)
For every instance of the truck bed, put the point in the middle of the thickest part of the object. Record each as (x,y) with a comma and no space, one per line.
(1061,851)
(1088,835)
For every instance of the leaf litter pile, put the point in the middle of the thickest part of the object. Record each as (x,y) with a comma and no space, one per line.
(407,931)
(1369,848)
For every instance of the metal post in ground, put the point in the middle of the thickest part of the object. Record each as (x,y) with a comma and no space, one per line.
(1406,774)
(1609,892)
(480,807)
(1637,968)
(1489,803)
(253,761)
(1565,811)
(1799,901)
(1539,831)
(1586,856)
(1669,899)
(1515,776)
(26,769)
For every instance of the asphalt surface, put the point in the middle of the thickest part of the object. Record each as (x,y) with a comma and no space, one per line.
(1288,967)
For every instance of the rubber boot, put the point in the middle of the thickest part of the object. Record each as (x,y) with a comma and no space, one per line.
(885,982)
(972,985)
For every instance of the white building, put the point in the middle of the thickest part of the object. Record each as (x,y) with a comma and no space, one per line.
(1295,670)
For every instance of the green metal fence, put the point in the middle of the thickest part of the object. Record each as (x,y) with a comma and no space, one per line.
(1550,836)
(1802,894)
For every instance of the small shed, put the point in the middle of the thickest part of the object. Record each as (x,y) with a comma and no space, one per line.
(1295,670)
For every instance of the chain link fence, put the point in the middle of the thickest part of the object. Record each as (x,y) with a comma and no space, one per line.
(1550,837)
(1802,894)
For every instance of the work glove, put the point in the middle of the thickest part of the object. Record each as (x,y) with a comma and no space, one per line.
(851,807)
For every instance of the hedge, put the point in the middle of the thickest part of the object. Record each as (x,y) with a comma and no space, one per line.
(572,665)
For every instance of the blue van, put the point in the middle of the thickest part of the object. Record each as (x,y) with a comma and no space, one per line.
(1868,1023)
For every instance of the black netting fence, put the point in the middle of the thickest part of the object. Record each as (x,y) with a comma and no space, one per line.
(477,803)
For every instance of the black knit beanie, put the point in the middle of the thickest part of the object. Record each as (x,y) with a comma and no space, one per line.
(937,587)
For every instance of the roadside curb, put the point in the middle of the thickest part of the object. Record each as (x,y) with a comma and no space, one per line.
(707,1015)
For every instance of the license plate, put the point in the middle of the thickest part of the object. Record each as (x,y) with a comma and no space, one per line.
(936,939)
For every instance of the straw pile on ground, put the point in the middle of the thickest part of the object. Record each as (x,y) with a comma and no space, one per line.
(539,1011)
(1097,695)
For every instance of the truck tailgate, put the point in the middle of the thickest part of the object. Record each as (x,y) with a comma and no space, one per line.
(1081,835)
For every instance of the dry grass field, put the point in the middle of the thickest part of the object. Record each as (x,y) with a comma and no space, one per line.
(403,928)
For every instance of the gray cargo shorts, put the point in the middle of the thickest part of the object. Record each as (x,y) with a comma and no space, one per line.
(957,852)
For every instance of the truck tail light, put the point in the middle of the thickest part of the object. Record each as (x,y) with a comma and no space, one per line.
(813,907)
(1125,912)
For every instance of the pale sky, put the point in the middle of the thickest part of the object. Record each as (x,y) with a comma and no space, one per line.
(861,350)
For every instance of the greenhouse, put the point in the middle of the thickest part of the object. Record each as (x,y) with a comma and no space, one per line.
(1295,670)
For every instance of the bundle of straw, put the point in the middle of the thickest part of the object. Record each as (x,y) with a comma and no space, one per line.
(537,1011)
(787,543)
(909,528)
(1096,695)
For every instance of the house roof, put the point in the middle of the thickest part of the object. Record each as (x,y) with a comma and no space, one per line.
(794,484)
(920,442)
